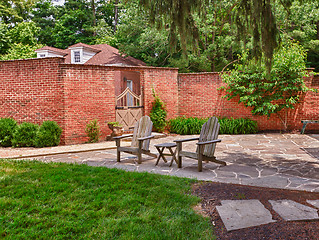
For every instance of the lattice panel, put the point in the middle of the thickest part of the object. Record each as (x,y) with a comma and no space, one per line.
(128,117)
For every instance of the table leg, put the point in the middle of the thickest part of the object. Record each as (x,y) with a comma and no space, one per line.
(160,151)
(303,128)
(173,156)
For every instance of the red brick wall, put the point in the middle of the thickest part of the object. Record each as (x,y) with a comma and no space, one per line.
(36,90)
(199,97)
(164,82)
(32,90)
(89,94)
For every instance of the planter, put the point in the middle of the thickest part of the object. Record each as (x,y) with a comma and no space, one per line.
(116,130)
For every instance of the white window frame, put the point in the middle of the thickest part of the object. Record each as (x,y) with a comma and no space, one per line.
(77,56)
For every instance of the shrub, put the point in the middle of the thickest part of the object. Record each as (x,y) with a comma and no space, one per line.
(48,134)
(158,113)
(7,127)
(237,126)
(25,135)
(189,126)
(270,93)
(92,130)
(186,126)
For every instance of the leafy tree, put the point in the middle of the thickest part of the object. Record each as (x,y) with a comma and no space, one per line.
(21,51)
(301,23)
(25,33)
(137,38)
(13,11)
(276,94)
(253,18)
(44,16)
(4,38)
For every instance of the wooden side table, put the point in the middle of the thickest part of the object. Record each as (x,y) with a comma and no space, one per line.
(161,147)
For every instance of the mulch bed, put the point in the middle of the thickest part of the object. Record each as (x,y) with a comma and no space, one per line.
(212,193)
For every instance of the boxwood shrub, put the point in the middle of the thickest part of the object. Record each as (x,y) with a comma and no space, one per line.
(190,126)
(48,134)
(25,135)
(7,128)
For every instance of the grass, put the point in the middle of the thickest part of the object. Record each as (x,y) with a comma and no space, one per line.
(67,201)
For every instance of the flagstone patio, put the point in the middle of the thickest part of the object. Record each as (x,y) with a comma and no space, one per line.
(288,161)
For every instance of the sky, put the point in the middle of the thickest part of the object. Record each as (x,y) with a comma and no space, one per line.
(58,2)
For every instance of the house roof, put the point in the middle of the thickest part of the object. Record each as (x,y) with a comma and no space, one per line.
(53,49)
(86,46)
(105,55)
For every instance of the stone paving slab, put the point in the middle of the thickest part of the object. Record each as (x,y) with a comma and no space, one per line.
(237,214)
(292,211)
(314,203)
(285,168)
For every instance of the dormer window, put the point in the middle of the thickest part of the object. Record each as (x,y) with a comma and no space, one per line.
(77,56)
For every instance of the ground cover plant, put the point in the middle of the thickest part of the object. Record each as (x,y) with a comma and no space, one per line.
(66,201)
(190,126)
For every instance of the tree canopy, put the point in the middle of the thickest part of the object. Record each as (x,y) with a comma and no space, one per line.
(210,33)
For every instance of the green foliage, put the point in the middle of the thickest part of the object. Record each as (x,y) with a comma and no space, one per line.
(7,128)
(158,113)
(266,94)
(114,124)
(237,126)
(92,130)
(25,135)
(24,33)
(301,24)
(48,134)
(186,126)
(20,51)
(193,125)
(75,201)
(4,38)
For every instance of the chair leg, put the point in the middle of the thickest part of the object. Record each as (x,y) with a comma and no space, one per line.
(179,157)
(139,152)
(118,153)
(200,158)
(200,163)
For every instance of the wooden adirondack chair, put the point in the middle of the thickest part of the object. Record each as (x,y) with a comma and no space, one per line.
(140,140)
(205,146)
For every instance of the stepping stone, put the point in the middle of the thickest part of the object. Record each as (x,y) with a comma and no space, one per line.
(314,203)
(292,211)
(237,214)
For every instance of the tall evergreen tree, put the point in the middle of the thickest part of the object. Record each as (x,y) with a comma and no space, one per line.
(253,17)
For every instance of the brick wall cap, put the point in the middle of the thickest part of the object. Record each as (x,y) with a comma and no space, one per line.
(200,73)
(118,67)
(31,59)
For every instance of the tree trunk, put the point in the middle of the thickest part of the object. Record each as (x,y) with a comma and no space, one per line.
(116,14)
(94,16)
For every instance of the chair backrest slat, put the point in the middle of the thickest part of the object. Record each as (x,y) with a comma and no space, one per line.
(142,128)
(209,132)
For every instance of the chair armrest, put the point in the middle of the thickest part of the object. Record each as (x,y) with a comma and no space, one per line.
(145,138)
(186,140)
(209,142)
(123,136)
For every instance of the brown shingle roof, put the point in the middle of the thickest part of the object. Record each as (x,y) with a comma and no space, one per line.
(105,55)
(90,47)
(53,49)
(111,56)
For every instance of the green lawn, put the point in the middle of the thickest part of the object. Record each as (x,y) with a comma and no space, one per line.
(67,201)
